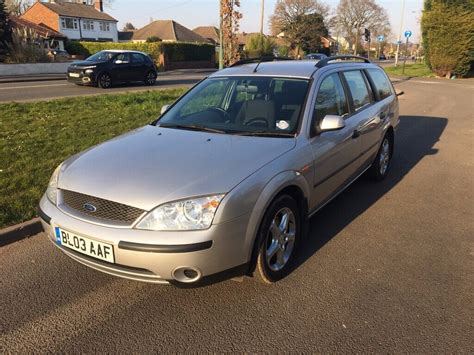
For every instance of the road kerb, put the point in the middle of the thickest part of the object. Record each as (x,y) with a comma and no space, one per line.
(20,231)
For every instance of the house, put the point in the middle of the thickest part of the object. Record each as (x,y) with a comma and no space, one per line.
(47,37)
(167,31)
(78,21)
(210,33)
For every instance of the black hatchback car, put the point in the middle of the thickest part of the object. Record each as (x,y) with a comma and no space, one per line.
(106,68)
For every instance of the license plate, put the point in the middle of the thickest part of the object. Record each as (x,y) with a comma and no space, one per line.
(83,245)
(74,75)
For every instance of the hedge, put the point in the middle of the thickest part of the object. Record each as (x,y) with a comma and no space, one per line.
(176,52)
(448,36)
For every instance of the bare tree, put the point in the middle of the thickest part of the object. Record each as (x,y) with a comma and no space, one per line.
(230,27)
(17,7)
(287,11)
(353,16)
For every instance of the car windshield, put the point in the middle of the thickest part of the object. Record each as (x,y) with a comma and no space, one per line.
(241,105)
(102,56)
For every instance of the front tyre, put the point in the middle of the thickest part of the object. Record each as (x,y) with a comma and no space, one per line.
(104,81)
(279,236)
(383,159)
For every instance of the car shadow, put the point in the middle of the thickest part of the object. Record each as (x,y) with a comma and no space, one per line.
(415,138)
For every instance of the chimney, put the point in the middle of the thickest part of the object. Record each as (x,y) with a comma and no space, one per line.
(99,5)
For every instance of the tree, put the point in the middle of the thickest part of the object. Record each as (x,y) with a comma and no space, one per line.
(230,26)
(259,46)
(287,11)
(305,32)
(17,7)
(5,31)
(353,16)
(128,27)
(448,36)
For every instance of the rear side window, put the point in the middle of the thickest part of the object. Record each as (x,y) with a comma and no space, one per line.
(331,99)
(359,91)
(382,87)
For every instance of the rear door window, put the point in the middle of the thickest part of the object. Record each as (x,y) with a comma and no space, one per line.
(358,88)
(382,88)
(138,58)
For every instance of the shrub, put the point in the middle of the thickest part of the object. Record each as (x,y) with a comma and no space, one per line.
(153,39)
(448,36)
(259,46)
(24,47)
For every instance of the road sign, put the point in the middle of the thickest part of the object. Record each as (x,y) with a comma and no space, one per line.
(408,34)
(381,38)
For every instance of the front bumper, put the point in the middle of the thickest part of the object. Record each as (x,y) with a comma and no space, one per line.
(82,79)
(154,256)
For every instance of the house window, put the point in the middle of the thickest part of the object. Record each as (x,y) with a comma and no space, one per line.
(69,23)
(88,25)
(104,26)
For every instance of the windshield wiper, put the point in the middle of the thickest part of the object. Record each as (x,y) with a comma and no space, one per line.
(193,128)
(265,134)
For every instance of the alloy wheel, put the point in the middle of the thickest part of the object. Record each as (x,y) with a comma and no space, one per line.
(384,158)
(280,239)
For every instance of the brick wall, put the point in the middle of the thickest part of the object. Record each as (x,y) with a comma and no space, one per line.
(41,14)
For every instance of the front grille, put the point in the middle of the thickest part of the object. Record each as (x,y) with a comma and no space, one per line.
(109,211)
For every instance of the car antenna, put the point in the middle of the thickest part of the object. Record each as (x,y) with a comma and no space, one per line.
(256,67)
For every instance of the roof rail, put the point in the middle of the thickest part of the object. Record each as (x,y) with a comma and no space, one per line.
(329,60)
(259,60)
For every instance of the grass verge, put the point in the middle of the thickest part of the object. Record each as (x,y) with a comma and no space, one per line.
(36,137)
(411,70)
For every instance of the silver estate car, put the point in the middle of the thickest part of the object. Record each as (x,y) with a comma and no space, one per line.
(224,181)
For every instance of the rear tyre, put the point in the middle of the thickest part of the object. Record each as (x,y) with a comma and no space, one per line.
(279,237)
(104,81)
(381,165)
(150,79)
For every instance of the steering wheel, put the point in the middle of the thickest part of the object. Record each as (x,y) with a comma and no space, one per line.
(257,121)
(222,113)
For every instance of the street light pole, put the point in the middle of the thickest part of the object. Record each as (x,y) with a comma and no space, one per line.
(221,38)
(400,33)
(262,17)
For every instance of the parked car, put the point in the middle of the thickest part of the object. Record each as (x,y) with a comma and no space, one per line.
(110,67)
(227,177)
(382,57)
(58,55)
(316,56)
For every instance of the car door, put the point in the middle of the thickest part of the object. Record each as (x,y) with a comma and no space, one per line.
(139,67)
(121,69)
(379,114)
(335,153)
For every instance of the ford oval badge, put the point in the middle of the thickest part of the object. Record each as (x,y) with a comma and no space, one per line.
(89,207)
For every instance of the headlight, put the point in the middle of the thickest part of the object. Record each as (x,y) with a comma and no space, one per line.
(192,214)
(52,190)
(89,71)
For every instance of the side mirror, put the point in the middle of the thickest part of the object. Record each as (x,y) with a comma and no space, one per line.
(331,123)
(164,109)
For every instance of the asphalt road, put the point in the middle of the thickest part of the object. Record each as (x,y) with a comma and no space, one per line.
(388,268)
(52,89)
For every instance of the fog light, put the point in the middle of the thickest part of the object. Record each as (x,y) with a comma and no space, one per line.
(187,274)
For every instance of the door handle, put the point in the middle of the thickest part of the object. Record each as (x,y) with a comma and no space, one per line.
(356,134)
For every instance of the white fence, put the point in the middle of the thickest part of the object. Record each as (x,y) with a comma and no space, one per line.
(33,69)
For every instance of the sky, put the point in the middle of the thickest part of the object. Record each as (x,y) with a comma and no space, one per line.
(194,13)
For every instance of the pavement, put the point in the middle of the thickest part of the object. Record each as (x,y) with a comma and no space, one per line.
(47,87)
(388,268)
